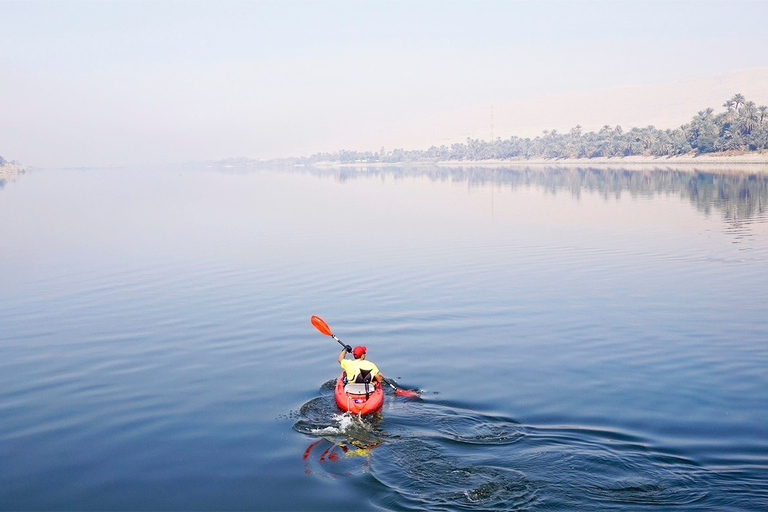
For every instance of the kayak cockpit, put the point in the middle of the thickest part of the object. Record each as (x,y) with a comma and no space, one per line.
(357,397)
(359,389)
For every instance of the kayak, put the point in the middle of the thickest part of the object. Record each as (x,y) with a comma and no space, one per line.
(353,397)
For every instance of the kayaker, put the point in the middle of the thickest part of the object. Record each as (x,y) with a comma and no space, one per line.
(358,369)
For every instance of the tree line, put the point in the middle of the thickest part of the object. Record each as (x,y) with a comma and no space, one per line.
(742,127)
(3,162)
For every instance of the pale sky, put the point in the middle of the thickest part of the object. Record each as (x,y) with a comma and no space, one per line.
(118,83)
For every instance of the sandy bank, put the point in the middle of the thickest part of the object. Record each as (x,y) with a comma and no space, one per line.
(741,163)
(10,172)
(751,163)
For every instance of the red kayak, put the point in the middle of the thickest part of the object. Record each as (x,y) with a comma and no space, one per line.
(356,399)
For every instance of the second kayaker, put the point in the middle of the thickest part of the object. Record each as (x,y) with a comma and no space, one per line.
(358,369)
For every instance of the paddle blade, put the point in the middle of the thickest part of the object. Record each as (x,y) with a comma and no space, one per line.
(320,325)
(402,392)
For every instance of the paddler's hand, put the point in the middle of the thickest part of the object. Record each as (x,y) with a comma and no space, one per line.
(348,348)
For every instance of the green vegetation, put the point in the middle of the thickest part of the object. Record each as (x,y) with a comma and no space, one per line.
(12,163)
(4,162)
(743,127)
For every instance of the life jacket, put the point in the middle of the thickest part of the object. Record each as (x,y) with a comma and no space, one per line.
(364,377)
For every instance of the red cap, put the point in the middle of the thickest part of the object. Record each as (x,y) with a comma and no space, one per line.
(358,351)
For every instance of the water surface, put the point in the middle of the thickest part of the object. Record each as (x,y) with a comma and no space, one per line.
(583,339)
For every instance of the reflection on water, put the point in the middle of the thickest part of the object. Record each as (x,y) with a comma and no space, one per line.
(738,197)
(346,440)
(9,173)
(327,458)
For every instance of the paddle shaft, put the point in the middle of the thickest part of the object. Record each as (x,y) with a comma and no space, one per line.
(390,384)
(340,342)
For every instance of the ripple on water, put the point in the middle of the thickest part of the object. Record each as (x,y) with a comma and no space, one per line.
(442,456)
(455,424)
(635,478)
(478,429)
(592,468)
(420,475)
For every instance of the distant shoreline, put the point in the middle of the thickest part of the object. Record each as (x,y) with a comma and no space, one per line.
(740,163)
(10,172)
(743,163)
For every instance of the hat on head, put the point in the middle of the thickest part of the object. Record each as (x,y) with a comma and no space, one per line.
(358,351)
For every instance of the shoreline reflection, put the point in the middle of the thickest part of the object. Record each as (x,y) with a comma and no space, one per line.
(737,197)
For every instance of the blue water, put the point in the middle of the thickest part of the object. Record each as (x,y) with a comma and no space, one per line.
(581,339)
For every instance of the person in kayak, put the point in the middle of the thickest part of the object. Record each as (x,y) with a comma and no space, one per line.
(358,369)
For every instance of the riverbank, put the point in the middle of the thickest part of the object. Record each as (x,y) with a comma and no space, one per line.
(748,162)
(10,172)
(732,163)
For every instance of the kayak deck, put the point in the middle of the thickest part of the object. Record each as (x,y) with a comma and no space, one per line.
(355,400)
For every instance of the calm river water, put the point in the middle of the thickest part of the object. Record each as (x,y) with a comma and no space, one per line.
(582,339)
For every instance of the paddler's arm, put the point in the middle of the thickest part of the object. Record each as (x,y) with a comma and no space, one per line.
(378,378)
(344,351)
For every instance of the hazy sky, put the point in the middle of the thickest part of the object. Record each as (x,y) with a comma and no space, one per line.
(114,83)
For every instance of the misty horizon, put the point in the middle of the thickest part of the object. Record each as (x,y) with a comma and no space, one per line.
(123,83)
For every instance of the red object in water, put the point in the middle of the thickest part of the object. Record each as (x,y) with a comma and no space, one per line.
(407,392)
(357,401)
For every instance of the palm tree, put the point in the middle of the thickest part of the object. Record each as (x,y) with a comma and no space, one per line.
(576,131)
(763,113)
(738,100)
(703,131)
(730,113)
(748,117)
